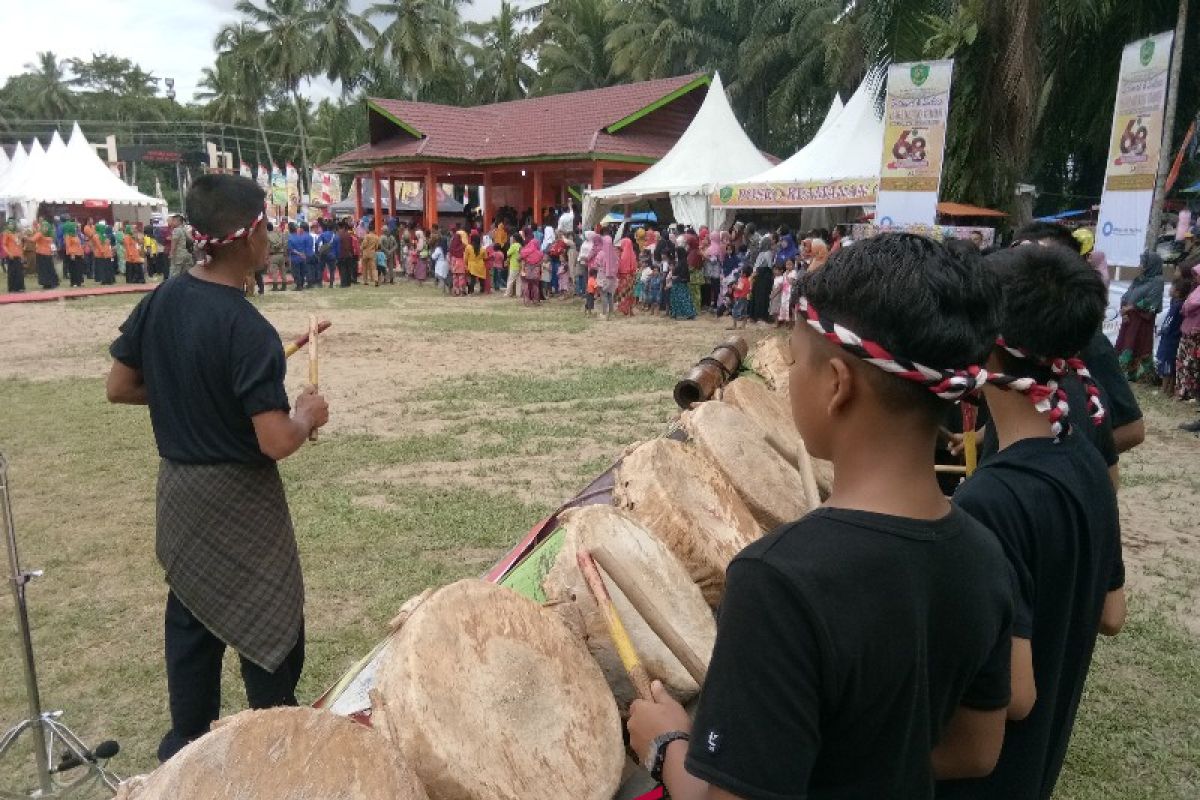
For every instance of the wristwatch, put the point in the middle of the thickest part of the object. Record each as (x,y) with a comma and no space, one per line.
(658,752)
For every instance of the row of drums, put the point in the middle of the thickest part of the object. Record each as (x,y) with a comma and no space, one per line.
(485,694)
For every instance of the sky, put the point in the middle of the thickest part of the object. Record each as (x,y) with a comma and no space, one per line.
(169,39)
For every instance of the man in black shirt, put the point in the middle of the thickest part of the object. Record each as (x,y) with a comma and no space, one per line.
(211,369)
(1052,506)
(862,651)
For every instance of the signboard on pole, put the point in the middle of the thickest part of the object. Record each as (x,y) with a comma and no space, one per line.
(914,140)
(1133,150)
(278,187)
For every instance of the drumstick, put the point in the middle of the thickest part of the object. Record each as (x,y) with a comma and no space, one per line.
(616,629)
(970,451)
(313,378)
(294,346)
(654,618)
(808,477)
(949,469)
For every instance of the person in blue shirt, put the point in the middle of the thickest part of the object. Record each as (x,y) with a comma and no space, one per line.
(327,252)
(300,250)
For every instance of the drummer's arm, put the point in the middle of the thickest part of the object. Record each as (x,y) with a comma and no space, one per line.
(681,784)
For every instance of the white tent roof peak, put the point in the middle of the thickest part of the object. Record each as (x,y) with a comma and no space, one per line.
(835,108)
(713,149)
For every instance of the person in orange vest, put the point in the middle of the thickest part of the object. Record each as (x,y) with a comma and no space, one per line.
(12,257)
(135,262)
(43,248)
(72,253)
(102,251)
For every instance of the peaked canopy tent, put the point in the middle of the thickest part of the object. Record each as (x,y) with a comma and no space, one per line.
(524,153)
(839,168)
(714,149)
(15,176)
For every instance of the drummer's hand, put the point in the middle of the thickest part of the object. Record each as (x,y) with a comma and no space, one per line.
(955,444)
(651,719)
(312,408)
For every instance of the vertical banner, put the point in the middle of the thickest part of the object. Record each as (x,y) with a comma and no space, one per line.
(1133,150)
(264,180)
(914,140)
(335,187)
(293,190)
(244,170)
(278,188)
(316,185)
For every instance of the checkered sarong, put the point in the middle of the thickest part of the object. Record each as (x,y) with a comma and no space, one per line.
(225,539)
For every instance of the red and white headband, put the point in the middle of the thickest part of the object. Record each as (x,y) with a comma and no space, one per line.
(207,243)
(1055,396)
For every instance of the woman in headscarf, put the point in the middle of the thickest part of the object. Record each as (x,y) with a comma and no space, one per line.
(1139,308)
(12,257)
(680,303)
(476,264)
(43,244)
(787,246)
(695,263)
(458,262)
(608,266)
(764,280)
(531,269)
(713,257)
(627,265)
(820,254)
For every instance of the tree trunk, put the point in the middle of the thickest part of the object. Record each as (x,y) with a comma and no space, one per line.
(263,130)
(1164,158)
(303,141)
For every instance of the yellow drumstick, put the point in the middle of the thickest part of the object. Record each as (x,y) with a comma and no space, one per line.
(616,629)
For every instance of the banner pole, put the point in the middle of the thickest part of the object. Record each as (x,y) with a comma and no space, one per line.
(1164,155)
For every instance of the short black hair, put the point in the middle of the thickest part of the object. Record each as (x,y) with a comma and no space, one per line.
(1050,301)
(1047,232)
(218,205)
(909,294)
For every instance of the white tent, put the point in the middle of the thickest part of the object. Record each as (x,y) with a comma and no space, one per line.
(714,149)
(73,173)
(838,168)
(4,160)
(18,173)
(15,166)
(835,108)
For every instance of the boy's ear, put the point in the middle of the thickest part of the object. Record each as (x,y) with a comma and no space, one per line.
(842,386)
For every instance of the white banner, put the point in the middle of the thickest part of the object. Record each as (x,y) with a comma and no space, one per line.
(1133,150)
(914,140)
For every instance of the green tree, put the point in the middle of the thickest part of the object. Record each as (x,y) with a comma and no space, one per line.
(340,42)
(50,95)
(570,42)
(119,76)
(419,39)
(498,52)
(664,38)
(238,45)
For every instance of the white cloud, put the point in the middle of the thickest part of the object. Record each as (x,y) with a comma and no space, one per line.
(169,39)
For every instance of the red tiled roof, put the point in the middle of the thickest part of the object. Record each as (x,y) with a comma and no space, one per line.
(560,125)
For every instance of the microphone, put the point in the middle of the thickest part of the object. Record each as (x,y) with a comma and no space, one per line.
(103,751)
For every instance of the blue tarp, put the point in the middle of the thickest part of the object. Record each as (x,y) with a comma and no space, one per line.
(1195,187)
(1064,215)
(615,217)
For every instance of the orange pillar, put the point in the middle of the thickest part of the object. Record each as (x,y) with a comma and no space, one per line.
(597,175)
(357,198)
(378,198)
(431,204)
(537,196)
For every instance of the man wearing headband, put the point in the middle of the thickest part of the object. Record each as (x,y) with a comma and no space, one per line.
(1047,496)
(212,369)
(862,651)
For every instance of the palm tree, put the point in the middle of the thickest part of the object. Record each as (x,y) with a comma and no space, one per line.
(664,38)
(339,43)
(238,45)
(498,55)
(284,49)
(420,37)
(570,44)
(50,96)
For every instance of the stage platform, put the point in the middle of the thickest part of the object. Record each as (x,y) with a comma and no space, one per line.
(47,295)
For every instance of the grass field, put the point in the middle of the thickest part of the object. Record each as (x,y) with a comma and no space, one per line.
(457,424)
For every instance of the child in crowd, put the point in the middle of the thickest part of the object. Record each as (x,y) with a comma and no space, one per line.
(654,290)
(862,651)
(777,295)
(741,299)
(1047,497)
(441,268)
(589,304)
(1170,333)
(790,276)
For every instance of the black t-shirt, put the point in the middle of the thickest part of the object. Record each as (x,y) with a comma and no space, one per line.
(1054,511)
(846,641)
(1115,392)
(210,362)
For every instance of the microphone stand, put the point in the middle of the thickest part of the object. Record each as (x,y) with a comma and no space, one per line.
(45,727)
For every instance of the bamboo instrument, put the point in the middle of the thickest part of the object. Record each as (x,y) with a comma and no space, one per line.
(616,629)
(314,329)
(970,446)
(295,345)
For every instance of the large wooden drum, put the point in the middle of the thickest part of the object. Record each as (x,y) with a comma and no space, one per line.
(737,446)
(282,754)
(772,412)
(771,358)
(491,697)
(657,573)
(689,506)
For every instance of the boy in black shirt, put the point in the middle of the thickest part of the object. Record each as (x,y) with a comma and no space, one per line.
(211,368)
(1050,502)
(863,650)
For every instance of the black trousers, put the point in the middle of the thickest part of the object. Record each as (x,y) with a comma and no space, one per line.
(194,657)
(74,268)
(16,274)
(346,270)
